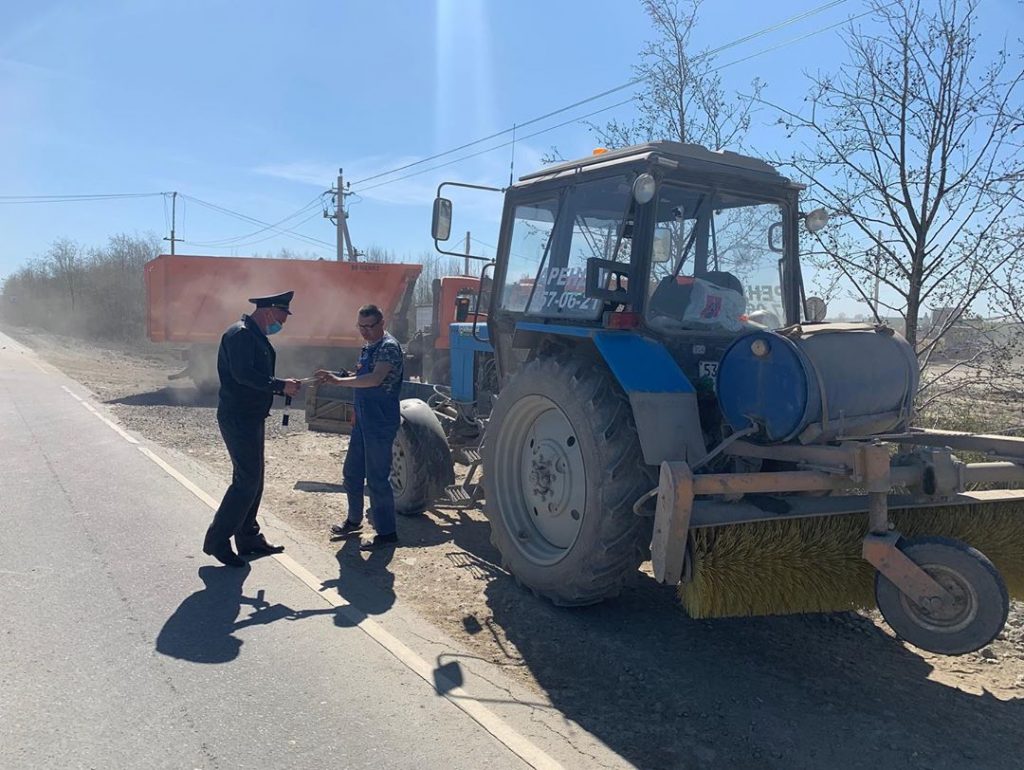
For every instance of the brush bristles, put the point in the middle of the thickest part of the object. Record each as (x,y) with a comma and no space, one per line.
(814,565)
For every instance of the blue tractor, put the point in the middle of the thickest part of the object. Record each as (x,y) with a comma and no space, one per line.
(659,372)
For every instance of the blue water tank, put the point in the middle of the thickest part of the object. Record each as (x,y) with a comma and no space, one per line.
(818,383)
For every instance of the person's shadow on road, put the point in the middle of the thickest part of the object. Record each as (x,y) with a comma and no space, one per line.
(202,629)
(365,583)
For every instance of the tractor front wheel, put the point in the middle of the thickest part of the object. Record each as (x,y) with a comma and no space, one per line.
(562,469)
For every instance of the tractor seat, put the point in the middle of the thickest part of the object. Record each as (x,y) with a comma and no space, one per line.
(723,280)
(670,298)
(672,294)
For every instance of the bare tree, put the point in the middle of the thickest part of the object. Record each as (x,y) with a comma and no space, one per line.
(681,96)
(913,147)
(63,259)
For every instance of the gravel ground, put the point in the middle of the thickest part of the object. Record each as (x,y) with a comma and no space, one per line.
(660,689)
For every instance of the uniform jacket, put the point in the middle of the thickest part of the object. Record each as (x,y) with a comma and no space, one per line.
(245,363)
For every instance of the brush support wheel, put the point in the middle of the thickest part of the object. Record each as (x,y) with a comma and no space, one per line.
(974,617)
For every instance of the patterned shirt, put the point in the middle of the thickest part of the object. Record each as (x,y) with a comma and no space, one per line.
(387,351)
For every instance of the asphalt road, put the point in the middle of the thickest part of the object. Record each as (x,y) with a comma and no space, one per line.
(122,645)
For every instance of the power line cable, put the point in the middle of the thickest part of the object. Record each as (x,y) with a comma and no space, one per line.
(792,40)
(627,101)
(253,220)
(247,236)
(12,199)
(707,54)
(253,242)
(499,146)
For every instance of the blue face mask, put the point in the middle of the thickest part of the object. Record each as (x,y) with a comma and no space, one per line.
(274,328)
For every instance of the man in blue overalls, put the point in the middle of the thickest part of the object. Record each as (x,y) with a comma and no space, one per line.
(377,382)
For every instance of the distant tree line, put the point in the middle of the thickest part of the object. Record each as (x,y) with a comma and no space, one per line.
(73,289)
(99,292)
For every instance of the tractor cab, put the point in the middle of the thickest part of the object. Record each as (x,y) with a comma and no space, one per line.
(682,244)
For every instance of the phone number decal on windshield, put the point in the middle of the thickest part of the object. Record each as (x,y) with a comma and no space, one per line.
(564,291)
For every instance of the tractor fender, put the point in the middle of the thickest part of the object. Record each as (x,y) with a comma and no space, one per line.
(663,400)
(426,464)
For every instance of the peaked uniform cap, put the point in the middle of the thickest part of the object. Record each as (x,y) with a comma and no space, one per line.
(280,301)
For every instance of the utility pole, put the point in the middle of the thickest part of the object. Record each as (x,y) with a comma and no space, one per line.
(174,213)
(344,242)
(465,270)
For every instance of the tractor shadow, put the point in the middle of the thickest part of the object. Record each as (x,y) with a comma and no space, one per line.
(809,691)
(663,690)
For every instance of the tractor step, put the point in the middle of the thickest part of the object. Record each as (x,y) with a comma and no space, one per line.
(461,496)
(456,493)
(467,456)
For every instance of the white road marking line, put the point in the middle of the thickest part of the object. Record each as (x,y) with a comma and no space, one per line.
(71,393)
(483,716)
(112,425)
(179,477)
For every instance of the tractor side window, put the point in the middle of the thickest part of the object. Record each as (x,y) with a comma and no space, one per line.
(739,247)
(532,230)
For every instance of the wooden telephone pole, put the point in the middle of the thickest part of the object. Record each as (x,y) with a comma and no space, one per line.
(344,242)
(174,215)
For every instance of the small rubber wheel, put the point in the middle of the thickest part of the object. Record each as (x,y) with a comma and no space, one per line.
(977,612)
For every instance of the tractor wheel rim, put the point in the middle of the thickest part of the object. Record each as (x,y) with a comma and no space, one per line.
(945,617)
(542,486)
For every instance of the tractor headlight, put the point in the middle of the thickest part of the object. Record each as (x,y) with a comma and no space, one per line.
(643,188)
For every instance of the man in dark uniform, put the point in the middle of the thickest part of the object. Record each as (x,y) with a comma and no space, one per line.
(245,363)
(377,382)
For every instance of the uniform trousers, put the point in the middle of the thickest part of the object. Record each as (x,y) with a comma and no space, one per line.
(245,437)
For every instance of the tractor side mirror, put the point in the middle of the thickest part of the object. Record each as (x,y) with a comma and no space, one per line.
(662,251)
(815,309)
(441,223)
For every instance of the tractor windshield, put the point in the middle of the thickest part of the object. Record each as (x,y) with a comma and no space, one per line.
(715,261)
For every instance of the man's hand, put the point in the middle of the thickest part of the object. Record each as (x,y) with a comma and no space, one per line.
(291,387)
(323,375)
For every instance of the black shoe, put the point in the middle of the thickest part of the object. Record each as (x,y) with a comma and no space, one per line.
(259,548)
(341,531)
(380,542)
(224,555)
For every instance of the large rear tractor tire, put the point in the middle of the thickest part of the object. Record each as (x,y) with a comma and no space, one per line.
(562,469)
(974,617)
(421,462)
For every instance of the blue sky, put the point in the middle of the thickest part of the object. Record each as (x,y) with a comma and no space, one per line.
(254,106)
